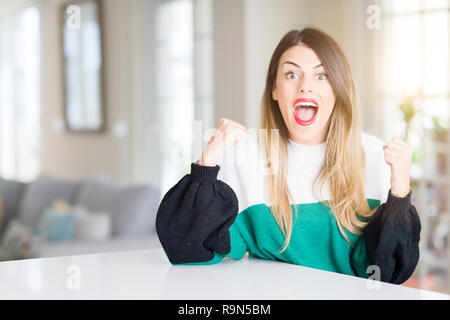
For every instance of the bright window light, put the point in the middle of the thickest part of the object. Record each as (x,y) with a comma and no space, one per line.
(19,95)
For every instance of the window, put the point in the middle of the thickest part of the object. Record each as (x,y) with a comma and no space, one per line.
(19,95)
(182,85)
(416,62)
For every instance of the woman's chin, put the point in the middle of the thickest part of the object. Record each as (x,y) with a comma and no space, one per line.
(307,134)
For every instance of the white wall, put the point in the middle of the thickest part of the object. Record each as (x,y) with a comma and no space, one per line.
(229,60)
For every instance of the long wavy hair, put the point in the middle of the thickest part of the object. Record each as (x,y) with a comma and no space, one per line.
(343,166)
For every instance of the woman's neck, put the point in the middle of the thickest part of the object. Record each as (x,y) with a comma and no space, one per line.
(308,142)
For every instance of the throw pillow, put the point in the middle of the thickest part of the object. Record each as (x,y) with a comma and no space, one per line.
(58,223)
(96,226)
(20,242)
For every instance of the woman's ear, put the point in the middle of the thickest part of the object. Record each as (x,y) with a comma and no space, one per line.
(274,94)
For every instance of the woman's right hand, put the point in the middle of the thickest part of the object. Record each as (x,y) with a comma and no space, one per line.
(227,132)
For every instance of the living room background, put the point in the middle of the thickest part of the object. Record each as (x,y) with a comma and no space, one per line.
(172,65)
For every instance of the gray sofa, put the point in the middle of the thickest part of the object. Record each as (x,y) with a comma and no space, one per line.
(132,210)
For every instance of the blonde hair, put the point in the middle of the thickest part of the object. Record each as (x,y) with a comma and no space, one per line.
(343,166)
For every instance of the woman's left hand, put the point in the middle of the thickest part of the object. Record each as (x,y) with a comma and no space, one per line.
(398,154)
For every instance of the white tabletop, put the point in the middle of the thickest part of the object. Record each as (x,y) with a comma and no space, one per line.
(147,274)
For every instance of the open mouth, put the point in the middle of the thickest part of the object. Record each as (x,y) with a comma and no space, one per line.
(305,111)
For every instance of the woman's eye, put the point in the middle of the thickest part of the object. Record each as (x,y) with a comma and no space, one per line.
(291,75)
(322,76)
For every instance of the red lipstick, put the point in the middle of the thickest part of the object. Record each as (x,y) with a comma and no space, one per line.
(305,102)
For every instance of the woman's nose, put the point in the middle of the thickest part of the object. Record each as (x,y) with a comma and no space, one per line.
(304,86)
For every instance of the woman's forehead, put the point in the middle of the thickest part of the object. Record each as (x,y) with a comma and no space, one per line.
(300,56)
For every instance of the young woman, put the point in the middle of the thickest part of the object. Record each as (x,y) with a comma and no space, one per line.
(320,194)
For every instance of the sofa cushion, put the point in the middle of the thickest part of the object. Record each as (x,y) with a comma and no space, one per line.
(1,215)
(11,192)
(40,194)
(133,209)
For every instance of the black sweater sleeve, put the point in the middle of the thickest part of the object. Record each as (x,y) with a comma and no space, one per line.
(194,216)
(392,238)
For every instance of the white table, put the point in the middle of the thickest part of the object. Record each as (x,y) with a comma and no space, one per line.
(147,274)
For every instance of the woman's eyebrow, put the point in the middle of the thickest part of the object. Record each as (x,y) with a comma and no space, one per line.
(296,65)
